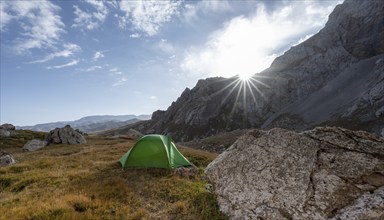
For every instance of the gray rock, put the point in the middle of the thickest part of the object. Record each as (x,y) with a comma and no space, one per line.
(4,133)
(7,130)
(319,174)
(34,144)
(65,135)
(133,134)
(8,127)
(369,205)
(6,159)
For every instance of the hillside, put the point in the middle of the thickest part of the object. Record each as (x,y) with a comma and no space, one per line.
(90,123)
(86,182)
(336,77)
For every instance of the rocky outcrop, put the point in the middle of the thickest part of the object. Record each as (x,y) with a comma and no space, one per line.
(6,159)
(325,173)
(336,77)
(65,135)
(34,144)
(7,130)
(131,134)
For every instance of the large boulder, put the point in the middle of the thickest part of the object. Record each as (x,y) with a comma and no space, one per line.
(65,135)
(4,133)
(6,159)
(34,144)
(8,127)
(324,173)
(7,130)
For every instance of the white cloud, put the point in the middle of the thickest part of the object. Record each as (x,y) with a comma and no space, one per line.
(98,55)
(120,81)
(165,46)
(153,97)
(93,68)
(40,24)
(71,63)
(214,6)
(118,76)
(247,45)
(5,16)
(192,9)
(69,50)
(135,35)
(90,20)
(147,16)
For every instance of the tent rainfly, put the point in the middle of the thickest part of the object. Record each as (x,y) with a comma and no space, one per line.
(154,150)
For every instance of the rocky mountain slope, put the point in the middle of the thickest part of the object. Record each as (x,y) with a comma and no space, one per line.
(336,77)
(91,123)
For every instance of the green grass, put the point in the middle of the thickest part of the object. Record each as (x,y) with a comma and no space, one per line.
(86,182)
(21,138)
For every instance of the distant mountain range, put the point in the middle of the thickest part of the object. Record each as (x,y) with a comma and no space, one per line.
(91,123)
(336,78)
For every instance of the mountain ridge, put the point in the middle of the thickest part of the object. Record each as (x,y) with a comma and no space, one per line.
(91,123)
(336,77)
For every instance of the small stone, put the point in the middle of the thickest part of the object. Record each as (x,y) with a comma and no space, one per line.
(6,159)
(34,144)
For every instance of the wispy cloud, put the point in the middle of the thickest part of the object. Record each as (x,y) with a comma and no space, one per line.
(118,76)
(98,55)
(69,50)
(135,35)
(147,16)
(41,26)
(120,81)
(165,46)
(247,45)
(192,9)
(152,97)
(93,68)
(71,63)
(5,16)
(90,20)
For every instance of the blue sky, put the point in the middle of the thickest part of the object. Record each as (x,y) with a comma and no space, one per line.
(63,60)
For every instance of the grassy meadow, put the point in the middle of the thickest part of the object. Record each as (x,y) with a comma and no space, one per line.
(86,182)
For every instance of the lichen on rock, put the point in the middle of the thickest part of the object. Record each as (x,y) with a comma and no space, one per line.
(316,174)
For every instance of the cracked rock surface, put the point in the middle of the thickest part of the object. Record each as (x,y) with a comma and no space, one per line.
(324,173)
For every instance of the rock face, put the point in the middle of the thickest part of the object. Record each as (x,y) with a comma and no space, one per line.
(324,173)
(7,130)
(34,144)
(65,135)
(6,159)
(336,77)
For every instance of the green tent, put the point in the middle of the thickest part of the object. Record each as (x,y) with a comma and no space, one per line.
(154,151)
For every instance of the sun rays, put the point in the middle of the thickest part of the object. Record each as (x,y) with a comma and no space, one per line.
(243,92)
(245,76)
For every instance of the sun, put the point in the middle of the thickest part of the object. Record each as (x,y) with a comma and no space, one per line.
(245,76)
